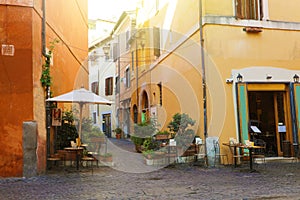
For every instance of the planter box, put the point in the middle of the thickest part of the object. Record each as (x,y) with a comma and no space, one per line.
(149,161)
(106,158)
(161,137)
(156,161)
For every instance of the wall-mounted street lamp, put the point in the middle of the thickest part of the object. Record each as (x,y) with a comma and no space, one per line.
(269,76)
(239,78)
(106,50)
(296,78)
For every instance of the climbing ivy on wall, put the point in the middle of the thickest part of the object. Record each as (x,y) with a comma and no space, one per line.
(46,79)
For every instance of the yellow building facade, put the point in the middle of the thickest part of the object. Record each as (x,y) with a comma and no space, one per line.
(245,53)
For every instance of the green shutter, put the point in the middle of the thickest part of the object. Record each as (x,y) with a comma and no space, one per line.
(243,112)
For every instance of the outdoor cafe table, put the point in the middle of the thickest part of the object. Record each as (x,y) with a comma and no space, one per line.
(78,151)
(234,146)
(239,145)
(251,148)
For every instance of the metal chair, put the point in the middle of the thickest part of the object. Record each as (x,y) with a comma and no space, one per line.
(218,154)
(259,154)
(296,156)
(171,154)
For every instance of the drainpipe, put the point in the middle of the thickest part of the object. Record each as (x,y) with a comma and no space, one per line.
(119,82)
(294,120)
(44,28)
(203,80)
(137,77)
(48,113)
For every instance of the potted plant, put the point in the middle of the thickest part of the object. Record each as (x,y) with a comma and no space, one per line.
(148,155)
(138,142)
(150,144)
(154,157)
(118,132)
(142,131)
(162,135)
(179,128)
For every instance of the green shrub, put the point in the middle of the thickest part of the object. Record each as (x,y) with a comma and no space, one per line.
(179,129)
(137,140)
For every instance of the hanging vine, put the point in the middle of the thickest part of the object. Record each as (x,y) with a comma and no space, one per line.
(46,79)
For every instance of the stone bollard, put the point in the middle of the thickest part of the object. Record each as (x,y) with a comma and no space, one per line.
(29,149)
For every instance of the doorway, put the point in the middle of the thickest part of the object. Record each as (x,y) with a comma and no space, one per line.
(268,112)
(106,124)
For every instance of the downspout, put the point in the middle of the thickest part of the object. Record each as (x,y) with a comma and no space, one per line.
(294,119)
(137,78)
(203,80)
(44,28)
(48,113)
(119,82)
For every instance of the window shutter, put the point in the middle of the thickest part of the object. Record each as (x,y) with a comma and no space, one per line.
(115,51)
(106,87)
(238,7)
(111,86)
(156,41)
(95,88)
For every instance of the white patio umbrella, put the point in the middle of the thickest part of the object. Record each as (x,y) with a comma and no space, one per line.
(82,97)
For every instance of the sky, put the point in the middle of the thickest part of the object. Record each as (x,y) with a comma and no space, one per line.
(109,9)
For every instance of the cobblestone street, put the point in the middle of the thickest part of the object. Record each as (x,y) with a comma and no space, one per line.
(182,181)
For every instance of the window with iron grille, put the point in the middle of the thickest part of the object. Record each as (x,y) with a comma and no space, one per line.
(249,9)
(109,86)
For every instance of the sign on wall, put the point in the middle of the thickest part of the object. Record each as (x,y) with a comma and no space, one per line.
(8,50)
(56,117)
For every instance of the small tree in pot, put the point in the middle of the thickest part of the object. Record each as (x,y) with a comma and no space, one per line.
(118,132)
(179,128)
(142,132)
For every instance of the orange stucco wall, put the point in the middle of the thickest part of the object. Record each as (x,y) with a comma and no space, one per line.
(21,95)
(16,86)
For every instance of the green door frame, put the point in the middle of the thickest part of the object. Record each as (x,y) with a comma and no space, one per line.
(243,116)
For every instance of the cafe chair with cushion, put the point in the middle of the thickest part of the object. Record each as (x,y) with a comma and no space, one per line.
(220,157)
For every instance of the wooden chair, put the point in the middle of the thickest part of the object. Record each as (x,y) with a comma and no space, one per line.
(53,160)
(87,161)
(95,147)
(56,159)
(96,144)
